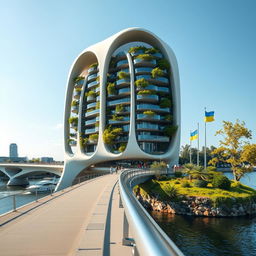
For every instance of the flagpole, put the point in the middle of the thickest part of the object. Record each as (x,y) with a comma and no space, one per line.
(190,151)
(205,164)
(198,144)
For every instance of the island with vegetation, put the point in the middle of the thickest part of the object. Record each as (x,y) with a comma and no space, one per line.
(197,192)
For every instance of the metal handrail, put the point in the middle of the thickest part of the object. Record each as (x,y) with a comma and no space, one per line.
(149,238)
(79,180)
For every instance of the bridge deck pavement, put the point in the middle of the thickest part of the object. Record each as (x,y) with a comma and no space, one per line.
(83,221)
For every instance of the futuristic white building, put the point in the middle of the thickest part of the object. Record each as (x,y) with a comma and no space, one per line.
(122,102)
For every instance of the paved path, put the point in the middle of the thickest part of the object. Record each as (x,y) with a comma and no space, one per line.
(83,221)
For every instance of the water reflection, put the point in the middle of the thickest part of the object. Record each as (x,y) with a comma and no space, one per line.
(201,236)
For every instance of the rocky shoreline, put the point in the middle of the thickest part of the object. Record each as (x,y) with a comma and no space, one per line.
(198,206)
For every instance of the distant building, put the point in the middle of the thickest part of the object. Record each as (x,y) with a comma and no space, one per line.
(13,150)
(4,159)
(47,159)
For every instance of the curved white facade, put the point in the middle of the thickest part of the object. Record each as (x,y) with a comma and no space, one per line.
(148,124)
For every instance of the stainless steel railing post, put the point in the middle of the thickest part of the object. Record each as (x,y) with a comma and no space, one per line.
(125,230)
(14,203)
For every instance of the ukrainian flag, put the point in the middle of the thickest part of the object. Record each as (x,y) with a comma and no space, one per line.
(194,135)
(209,116)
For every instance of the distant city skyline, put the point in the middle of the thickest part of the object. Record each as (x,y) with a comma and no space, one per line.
(214,42)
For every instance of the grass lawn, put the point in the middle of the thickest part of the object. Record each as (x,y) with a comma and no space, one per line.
(160,188)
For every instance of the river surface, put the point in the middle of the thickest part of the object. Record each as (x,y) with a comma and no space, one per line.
(202,236)
(22,196)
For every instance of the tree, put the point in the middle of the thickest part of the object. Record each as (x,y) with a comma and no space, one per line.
(249,154)
(233,148)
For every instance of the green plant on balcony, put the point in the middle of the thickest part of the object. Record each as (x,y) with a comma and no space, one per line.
(152,50)
(170,130)
(78,89)
(141,83)
(91,94)
(111,88)
(146,57)
(163,64)
(117,118)
(93,65)
(73,120)
(145,92)
(97,79)
(112,62)
(111,134)
(149,113)
(165,103)
(122,147)
(77,79)
(94,137)
(168,117)
(97,105)
(72,134)
(90,109)
(156,72)
(137,48)
(119,108)
(97,124)
(123,75)
(74,103)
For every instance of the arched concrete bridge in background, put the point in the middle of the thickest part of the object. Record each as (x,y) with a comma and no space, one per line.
(18,172)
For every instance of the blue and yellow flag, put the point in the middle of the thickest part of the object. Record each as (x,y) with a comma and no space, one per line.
(209,116)
(194,135)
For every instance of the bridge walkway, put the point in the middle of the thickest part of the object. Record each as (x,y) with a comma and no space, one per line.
(85,220)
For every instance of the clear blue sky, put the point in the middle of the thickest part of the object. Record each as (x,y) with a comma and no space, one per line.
(214,42)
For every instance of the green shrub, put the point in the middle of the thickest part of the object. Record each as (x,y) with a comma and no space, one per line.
(79,78)
(141,83)
(236,184)
(152,50)
(185,184)
(122,147)
(168,117)
(137,48)
(119,108)
(200,183)
(75,103)
(178,174)
(157,72)
(94,137)
(94,65)
(145,92)
(123,75)
(149,113)
(176,182)
(111,88)
(171,191)
(91,93)
(73,120)
(163,64)
(146,57)
(221,181)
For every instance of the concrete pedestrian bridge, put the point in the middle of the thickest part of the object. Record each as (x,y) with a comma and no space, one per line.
(18,173)
(100,216)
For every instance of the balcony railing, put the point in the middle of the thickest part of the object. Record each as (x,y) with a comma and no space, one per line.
(147,97)
(124,91)
(146,137)
(151,107)
(121,63)
(79,84)
(143,70)
(92,121)
(92,76)
(155,88)
(143,61)
(77,94)
(92,84)
(92,130)
(91,113)
(92,69)
(119,101)
(122,82)
(91,105)
(148,117)
(148,126)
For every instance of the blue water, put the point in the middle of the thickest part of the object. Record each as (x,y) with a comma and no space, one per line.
(22,196)
(202,236)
